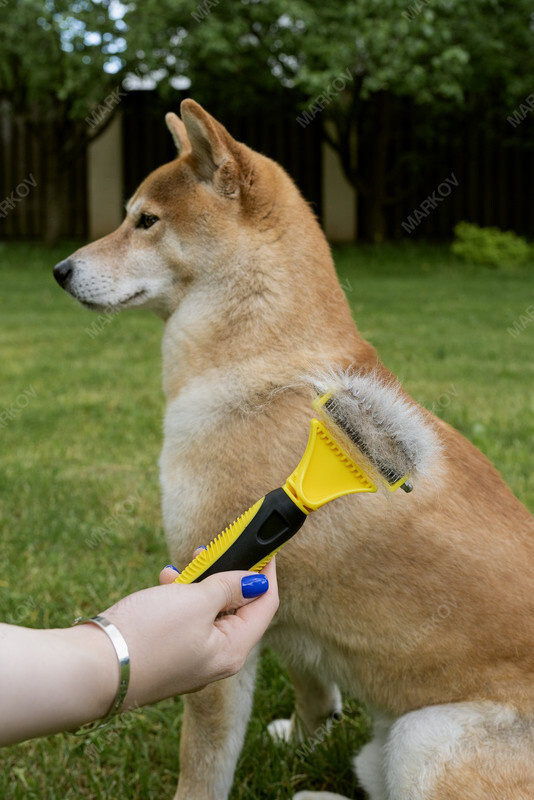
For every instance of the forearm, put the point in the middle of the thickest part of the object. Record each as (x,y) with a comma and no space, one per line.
(57,680)
(53,680)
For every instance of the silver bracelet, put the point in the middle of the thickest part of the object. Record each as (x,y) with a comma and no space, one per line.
(121,649)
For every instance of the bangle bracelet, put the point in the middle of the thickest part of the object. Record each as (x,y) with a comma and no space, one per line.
(121,649)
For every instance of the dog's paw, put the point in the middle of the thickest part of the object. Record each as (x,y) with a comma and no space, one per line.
(318,796)
(281,730)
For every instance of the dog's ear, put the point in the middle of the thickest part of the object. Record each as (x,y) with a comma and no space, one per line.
(215,155)
(178,133)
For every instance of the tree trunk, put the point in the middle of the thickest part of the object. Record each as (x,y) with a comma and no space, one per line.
(364,159)
(374,203)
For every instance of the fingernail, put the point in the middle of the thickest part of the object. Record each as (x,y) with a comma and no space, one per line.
(171,566)
(254,585)
(203,546)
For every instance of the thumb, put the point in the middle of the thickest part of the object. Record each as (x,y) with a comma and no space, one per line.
(227,591)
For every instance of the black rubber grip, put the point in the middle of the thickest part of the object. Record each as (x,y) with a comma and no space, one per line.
(276,521)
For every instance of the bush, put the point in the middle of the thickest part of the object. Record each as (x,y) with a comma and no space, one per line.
(489,246)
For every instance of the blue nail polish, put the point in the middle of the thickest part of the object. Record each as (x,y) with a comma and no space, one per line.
(203,546)
(254,585)
(171,566)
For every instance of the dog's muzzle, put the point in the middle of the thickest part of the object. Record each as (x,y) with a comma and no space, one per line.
(63,271)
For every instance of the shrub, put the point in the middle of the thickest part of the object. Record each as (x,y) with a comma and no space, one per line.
(489,246)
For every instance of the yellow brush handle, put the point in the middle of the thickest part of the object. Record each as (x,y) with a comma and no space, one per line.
(217,546)
(251,541)
(324,473)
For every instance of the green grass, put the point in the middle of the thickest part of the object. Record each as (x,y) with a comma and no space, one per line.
(73,474)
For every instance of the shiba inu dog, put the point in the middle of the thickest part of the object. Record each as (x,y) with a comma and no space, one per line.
(421,606)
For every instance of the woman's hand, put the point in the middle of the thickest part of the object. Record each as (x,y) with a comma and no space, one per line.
(178,641)
(58,679)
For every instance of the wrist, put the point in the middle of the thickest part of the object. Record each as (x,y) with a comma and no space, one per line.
(54,680)
(98,671)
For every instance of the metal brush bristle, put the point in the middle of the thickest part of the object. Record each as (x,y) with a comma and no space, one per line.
(333,408)
(387,431)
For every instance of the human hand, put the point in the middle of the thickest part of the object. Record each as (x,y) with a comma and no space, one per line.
(177,640)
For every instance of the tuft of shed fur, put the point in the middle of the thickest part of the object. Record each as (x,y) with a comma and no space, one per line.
(391,433)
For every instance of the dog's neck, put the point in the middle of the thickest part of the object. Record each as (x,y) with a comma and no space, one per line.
(260,351)
(270,309)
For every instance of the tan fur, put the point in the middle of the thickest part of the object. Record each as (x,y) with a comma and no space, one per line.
(478,781)
(499,766)
(243,277)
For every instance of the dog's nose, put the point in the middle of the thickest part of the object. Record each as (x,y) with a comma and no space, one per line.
(63,271)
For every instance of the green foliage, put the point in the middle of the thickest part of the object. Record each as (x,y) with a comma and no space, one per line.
(61,59)
(72,52)
(489,246)
(439,52)
(359,66)
(62,63)
(58,59)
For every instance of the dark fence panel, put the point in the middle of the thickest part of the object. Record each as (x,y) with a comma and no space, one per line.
(493,167)
(147,142)
(24,173)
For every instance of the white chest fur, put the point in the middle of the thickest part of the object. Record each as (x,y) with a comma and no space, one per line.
(197,435)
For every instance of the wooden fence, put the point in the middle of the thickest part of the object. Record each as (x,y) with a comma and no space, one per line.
(491,171)
(491,174)
(147,143)
(25,165)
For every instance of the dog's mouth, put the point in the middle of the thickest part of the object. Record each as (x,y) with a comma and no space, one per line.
(112,307)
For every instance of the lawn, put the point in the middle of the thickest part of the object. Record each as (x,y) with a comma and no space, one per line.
(80,425)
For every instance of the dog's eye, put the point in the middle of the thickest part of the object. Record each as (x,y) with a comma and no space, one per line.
(146,221)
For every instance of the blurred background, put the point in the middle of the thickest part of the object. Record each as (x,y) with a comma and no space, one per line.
(369,105)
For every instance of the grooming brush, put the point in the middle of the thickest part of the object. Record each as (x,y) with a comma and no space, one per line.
(365,436)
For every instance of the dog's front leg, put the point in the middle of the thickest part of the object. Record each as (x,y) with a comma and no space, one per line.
(213,730)
(317,705)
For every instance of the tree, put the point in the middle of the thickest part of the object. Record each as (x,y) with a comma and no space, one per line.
(357,65)
(61,66)
(353,68)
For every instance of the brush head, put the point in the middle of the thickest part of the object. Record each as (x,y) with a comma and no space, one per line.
(379,428)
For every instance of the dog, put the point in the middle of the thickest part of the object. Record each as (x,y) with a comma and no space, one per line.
(222,246)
